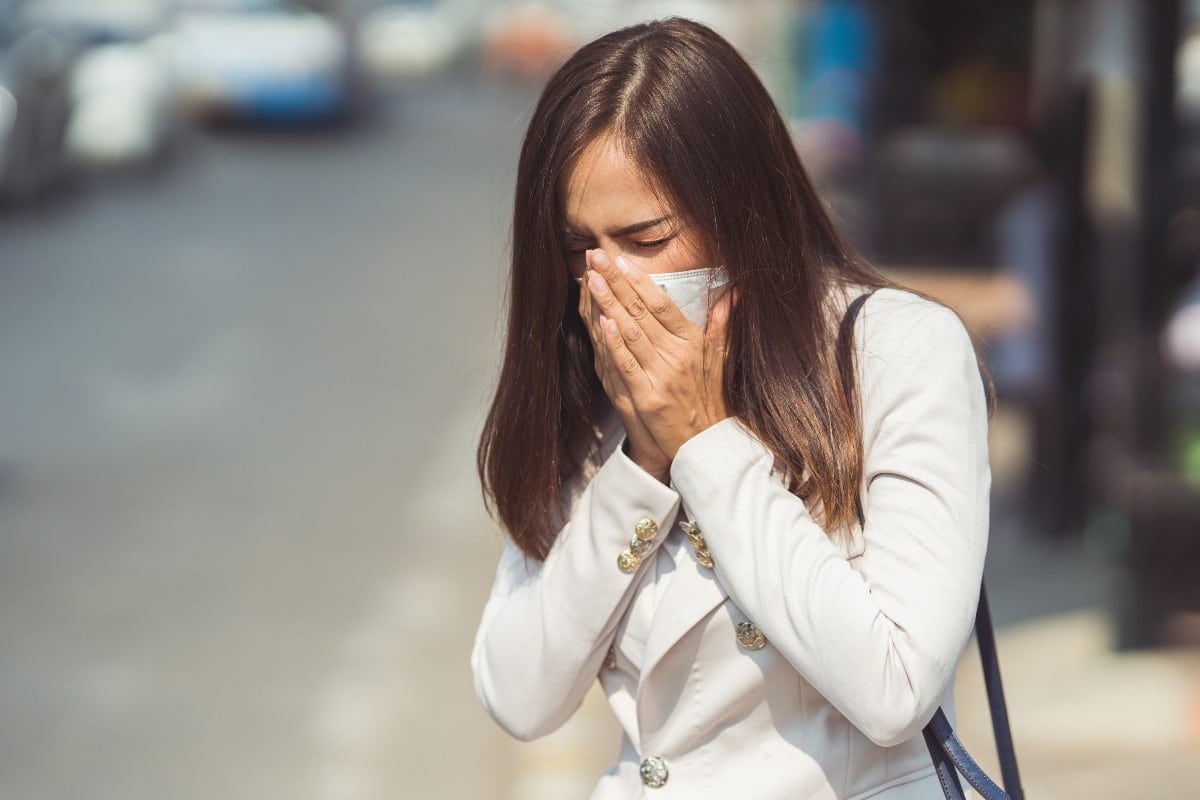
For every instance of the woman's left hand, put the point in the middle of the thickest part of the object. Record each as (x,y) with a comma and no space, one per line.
(674,370)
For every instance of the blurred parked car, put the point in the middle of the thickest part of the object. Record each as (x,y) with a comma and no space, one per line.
(282,61)
(122,105)
(122,93)
(34,78)
(418,38)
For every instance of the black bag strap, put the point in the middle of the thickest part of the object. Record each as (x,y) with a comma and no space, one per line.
(947,751)
(845,362)
(985,635)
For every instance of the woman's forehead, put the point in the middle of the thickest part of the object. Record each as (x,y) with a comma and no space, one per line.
(604,182)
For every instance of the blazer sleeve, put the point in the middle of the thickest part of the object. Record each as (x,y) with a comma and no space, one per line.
(547,625)
(880,637)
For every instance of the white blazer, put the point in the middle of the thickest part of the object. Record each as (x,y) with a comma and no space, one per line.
(863,630)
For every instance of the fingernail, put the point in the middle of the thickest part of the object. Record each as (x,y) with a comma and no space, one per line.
(596,282)
(623,264)
(599,258)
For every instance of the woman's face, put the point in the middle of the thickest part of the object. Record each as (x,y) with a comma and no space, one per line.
(610,205)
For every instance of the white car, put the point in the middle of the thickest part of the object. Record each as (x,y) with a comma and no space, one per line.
(123,107)
(272,60)
(418,38)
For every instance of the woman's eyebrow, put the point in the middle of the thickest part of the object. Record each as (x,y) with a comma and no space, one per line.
(638,227)
(625,230)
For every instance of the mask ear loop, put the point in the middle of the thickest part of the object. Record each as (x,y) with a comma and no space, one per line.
(716,289)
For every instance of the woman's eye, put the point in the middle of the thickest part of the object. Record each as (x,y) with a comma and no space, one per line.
(653,244)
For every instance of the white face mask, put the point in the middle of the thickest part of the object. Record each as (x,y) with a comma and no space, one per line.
(694,291)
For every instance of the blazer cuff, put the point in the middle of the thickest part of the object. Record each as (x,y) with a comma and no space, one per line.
(625,499)
(713,457)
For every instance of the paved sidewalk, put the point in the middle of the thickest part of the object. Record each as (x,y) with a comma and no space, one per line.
(1089,722)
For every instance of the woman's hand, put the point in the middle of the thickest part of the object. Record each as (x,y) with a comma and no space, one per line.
(642,447)
(664,369)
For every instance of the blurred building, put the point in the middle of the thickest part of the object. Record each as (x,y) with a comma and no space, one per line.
(1037,165)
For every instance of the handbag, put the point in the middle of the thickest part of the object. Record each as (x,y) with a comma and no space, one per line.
(949,755)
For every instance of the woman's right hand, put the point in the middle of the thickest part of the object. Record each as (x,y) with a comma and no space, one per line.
(642,448)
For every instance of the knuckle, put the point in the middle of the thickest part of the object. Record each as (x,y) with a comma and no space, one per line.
(659,306)
(637,309)
(654,405)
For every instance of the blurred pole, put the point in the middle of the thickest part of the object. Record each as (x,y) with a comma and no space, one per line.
(1116,86)
(1159,196)
(1088,97)
(1058,111)
(1059,502)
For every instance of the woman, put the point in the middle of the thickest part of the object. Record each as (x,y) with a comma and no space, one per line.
(761,528)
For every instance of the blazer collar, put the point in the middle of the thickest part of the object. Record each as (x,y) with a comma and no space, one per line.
(692,593)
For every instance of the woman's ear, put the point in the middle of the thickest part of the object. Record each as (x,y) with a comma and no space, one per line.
(718,317)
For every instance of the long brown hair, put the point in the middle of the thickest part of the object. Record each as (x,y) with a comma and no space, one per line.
(685,106)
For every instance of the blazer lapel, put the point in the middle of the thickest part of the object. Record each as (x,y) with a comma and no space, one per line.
(693,591)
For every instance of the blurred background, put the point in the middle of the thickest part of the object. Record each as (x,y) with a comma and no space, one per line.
(251,262)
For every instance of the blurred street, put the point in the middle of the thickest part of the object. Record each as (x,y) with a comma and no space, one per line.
(243,550)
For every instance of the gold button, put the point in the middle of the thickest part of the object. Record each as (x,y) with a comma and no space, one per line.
(646,529)
(610,658)
(750,637)
(694,536)
(704,557)
(638,547)
(628,562)
(654,771)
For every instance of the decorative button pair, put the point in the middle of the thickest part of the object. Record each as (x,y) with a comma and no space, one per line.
(654,771)
(697,539)
(643,534)
(749,636)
